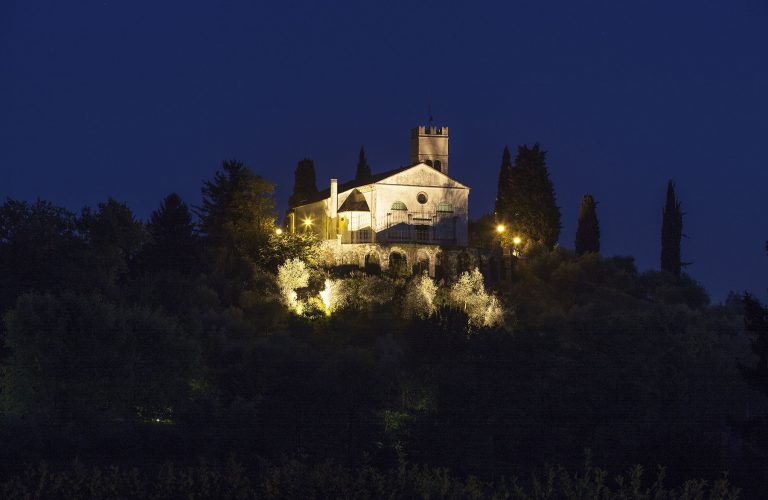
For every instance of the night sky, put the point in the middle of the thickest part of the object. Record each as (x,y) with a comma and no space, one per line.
(138,99)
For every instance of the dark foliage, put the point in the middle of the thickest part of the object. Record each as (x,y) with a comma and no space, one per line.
(237,220)
(40,249)
(671,233)
(756,323)
(526,200)
(140,359)
(304,184)
(588,230)
(174,244)
(295,479)
(363,171)
(504,189)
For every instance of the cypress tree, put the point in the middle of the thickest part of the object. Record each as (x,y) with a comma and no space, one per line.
(588,231)
(504,187)
(304,184)
(671,233)
(532,210)
(363,169)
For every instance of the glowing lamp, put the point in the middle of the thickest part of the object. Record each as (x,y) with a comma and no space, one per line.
(278,231)
(500,228)
(307,222)
(517,240)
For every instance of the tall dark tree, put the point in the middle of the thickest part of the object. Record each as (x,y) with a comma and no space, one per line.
(237,218)
(115,238)
(363,169)
(671,233)
(305,182)
(503,192)
(588,230)
(173,242)
(529,207)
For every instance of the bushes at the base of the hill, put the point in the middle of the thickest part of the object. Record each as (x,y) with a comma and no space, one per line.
(295,479)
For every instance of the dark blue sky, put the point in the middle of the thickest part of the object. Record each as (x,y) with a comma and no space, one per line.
(137,99)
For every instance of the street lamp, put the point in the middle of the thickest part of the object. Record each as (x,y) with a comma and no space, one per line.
(278,231)
(500,228)
(516,246)
(307,223)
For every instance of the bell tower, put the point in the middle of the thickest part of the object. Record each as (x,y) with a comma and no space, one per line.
(429,144)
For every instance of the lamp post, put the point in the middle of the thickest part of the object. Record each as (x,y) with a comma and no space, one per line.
(516,242)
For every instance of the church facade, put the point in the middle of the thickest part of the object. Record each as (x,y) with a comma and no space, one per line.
(411,216)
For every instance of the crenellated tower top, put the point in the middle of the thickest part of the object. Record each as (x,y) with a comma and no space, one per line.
(429,144)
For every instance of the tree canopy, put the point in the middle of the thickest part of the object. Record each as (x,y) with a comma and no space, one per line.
(237,217)
(526,198)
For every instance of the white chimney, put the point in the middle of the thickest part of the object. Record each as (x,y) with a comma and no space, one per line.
(334,198)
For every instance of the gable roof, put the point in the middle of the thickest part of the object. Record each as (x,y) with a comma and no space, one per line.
(355,202)
(355,183)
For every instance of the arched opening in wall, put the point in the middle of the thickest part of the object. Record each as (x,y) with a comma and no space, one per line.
(398,265)
(428,162)
(348,264)
(372,263)
(421,266)
(438,165)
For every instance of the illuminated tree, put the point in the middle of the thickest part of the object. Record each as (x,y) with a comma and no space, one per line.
(671,233)
(304,184)
(469,295)
(292,275)
(419,298)
(363,169)
(588,231)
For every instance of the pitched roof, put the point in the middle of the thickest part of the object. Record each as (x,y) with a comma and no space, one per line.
(355,202)
(326,193)
(355,183)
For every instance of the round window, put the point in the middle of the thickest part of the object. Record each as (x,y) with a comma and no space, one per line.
(421,198)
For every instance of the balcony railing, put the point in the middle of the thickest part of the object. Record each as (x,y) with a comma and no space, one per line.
(437,228)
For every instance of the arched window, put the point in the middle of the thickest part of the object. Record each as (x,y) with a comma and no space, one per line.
(444,207)
(428,162)
(399,205)
(438,165)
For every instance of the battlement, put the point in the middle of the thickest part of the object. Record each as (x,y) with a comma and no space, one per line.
(429,130)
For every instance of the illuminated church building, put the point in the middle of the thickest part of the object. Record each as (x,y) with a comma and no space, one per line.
(414,216)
